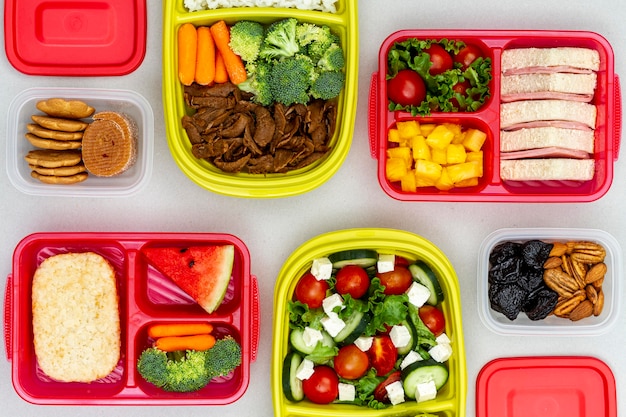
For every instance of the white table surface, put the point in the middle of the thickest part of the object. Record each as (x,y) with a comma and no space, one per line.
(273,228)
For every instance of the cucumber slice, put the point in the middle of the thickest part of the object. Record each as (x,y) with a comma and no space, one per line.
(355,326)
(297,341)
(362,257)
(421,372)
(292,386)
(425,276)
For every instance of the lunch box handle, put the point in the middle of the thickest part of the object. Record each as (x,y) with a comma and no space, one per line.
(256,320)
(618,118)
(372,116)
(7,318)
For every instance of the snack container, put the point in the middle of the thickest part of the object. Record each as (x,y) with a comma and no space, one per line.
(552,325)
(490,187)
(131,103)
(272,185)
(558,386)
(145,297)
(86,38)
(450,399)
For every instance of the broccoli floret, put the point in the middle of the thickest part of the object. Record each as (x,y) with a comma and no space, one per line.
(332,59)
(174,371)
(246,38)
(223,357)
(317,48)
(257,83)
(152,366)
(328,85)
(307,33)
(290,80)
(280,39)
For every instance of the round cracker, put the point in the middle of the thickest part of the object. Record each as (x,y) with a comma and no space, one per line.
(61,180)
(50,158)
(60,171)
(59,123)
(42,132)
(58,145)
(107,150)
(70,109)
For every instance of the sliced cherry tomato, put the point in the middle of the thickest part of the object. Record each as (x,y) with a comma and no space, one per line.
(351,362)
(311,291)
(380,393)
(468,54)
(353,280)
(441,60)
(383,354)
(323,386)
(407,88)
(433,319)
(396,282)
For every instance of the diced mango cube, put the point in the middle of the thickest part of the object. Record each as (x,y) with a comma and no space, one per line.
(440,137)
(439,156)
(420,149)
(427,172)
(408,183)
(460,172)
(395,169)
(474,139)
(408,129)
(444,183)
(426,128)
(403,152)
(393,135)
(470,182)
(456,154)
(475,156)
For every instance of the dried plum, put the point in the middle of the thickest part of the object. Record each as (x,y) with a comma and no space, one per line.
(539,305)
(530,279)
(535,253)
(506,271)
(507,299)
(504,251)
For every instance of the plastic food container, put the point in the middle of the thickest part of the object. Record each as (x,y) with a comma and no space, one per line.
(146,297)
(86,38)
(343,23)
(450,399)
(557,386)
(129,102)
(552,325)
(491,188)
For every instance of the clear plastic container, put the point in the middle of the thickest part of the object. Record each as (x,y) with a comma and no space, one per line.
(552,325)
(129,102)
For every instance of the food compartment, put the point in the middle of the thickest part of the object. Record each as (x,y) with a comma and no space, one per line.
(553,325)
(450,400)
(268,184)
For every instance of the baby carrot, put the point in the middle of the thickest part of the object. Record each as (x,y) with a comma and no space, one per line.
(234,64)
(179,329)
(205,61)
(221,76)
(187,52)
(195,342)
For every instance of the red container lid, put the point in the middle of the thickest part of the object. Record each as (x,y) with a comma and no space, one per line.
(75,38)
(546,386)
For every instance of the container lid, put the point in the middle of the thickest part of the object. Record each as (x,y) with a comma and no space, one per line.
(86,38)
(546,386)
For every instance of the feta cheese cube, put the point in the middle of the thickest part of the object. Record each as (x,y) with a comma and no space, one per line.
(333,324)
(305,370)
(322,269)
(410,358)
(395,392)
(418,294)
(364,343)
(426,391)
(386,263)
(311,336)
(400,336)
(443,338)
(330,303)
(441,352)
(347,392)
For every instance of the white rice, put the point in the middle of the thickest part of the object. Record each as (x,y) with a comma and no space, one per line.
(328,6)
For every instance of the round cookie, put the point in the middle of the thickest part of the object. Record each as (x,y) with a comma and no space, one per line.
(71,109)
(50,158)
(60,171)
(109,145)
(42,132)
(59,123)
(61,180)
(54,144)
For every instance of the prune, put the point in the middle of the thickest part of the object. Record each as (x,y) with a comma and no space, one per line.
(535,253)
(530,279)
(506,271)
(539,305)
(504,251)
(507,299)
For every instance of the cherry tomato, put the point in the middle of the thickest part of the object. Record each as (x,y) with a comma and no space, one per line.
(468,54)
(323,386)
(380,393)
(353,280)
(383,354)
(433,319)
(310,290)
(407,88)
(440,59)
(396,282)
(460,88)
(351,362)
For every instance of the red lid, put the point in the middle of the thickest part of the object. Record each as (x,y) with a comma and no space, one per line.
(75,38)
(546,386)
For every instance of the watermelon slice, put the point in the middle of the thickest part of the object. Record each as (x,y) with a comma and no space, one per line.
(203,272)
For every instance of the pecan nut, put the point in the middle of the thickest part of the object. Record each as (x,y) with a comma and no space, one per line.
(560,281)
(565,305)
(587,252)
